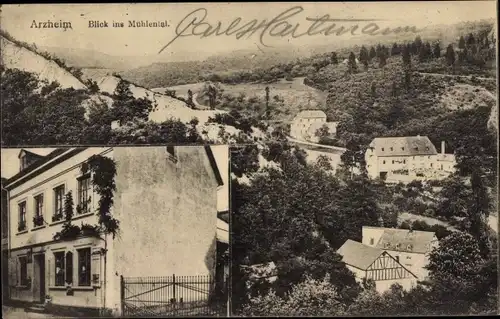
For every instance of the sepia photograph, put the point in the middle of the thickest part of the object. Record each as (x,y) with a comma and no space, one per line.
(115,231)
(249,159)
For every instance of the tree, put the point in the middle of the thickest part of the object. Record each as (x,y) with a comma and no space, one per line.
(406,56)
(437,50)
(382,58)
(461,42)
(373,53)
(418,44)
(267,103)
(351,63)
(471,40)
(364,56)
(395,49)
(126,107)
(38,113)
(450,55)
(190,101)
(334,58)
(478,212)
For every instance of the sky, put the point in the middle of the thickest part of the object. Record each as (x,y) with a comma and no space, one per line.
(18,19)
(10,167)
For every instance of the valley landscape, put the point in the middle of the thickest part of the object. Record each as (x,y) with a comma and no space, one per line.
(299,196)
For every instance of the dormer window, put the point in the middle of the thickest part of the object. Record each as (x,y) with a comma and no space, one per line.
(398,246)
(427,148)
(387,245)
(409,247)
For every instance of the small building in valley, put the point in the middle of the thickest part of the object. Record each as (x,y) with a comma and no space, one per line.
(407,158)
(411,248)
(368,262)
(307,122)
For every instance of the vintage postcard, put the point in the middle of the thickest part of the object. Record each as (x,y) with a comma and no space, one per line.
(249,159)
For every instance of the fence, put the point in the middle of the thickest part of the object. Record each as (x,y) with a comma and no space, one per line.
(172,296)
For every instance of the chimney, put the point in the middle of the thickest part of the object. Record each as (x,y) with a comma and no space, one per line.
(442,147)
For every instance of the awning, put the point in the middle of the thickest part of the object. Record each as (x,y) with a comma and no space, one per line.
(222,231)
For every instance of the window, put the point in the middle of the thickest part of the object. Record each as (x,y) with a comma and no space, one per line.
(397,258)
(382,149)
(22,217)
(59,268)
(398,246)
(402,148)
(38,218)
(404,161)
(58,203)
(392,161)
(383,162)
(23,271)
(431,165)
(84,267)
(392,149)
(84,194)
(372,241)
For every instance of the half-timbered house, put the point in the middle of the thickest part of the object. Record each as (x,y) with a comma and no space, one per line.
(373,263)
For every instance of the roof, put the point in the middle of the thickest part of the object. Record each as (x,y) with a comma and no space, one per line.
(213,163)
(311,114)
(41,161)
(403,146)
(15,180)
(358,255)
(34,155)
(399,239)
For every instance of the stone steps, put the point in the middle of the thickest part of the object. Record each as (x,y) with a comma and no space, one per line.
(36,308)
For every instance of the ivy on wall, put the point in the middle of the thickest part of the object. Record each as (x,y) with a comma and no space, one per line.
(103,171)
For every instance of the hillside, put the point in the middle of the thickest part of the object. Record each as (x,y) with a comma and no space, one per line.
(15,56)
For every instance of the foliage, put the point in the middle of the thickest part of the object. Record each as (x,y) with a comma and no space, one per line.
(309,298)
(103,170)
(39,113)
(127,108)
(441,231)
(68,231)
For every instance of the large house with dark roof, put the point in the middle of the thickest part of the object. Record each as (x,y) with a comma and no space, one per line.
(166,204)
(411,248)
(368,262)
(407,158)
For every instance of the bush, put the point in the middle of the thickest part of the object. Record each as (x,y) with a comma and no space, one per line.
(308,298)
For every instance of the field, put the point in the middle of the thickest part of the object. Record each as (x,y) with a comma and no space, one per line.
(295,94)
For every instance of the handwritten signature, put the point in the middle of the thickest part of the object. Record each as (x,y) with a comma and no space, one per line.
(194,24)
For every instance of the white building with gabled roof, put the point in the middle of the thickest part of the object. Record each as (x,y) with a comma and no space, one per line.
(368,262)
(407,158)
(410,247)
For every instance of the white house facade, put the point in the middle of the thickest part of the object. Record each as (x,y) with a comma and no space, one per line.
(166,204)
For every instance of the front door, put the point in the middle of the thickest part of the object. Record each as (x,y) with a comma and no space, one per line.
(39,280)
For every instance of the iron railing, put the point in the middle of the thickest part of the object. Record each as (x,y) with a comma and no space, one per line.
(173,296)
